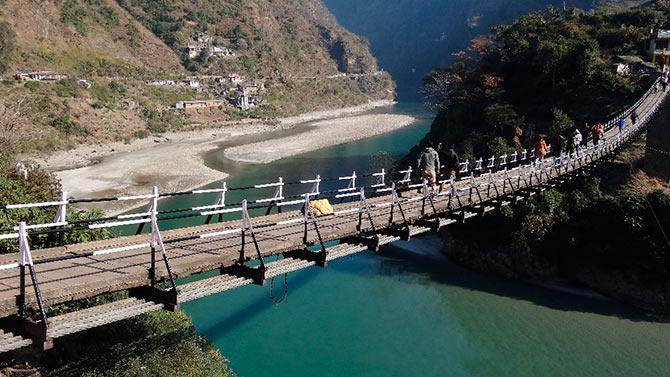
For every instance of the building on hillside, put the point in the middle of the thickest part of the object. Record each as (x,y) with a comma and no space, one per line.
(221,51)
(242,102)
(231,78)
(86,84)
(201,37)
(192,83)
(200,104)
(40,76)
(657,46)
(162,83)
(249,90)
(195,49)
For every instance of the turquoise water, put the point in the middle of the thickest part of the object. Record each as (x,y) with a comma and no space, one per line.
(407,311)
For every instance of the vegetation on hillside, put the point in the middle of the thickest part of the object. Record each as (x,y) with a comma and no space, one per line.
(119,46)
(159,343)
(271,39)
(545,73)
(548,73)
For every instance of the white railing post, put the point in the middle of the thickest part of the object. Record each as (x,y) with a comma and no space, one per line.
(61,212)
(381,179)
(25,256)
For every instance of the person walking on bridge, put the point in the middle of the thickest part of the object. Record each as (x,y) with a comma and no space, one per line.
(621,122)
(540,147)
(633,117)
(449,158)
(576,141)
(597,132)
(429,164)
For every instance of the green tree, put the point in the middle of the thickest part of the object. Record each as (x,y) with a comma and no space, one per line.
(560,122)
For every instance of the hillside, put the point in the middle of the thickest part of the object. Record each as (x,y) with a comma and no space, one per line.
(411,37)
(122,66)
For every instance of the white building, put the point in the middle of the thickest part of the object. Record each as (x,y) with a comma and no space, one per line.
(195,49)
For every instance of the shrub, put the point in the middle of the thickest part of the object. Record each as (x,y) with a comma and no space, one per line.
(163,121)
(68,88)
(69,127)
(72,13)
(109,15)
(33,86)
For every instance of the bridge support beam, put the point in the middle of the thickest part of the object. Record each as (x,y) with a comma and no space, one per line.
(372,243)
(317,257)
(169,299)
(29,329)
(241,270)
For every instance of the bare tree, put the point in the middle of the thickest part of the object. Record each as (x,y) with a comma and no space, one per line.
(439,88)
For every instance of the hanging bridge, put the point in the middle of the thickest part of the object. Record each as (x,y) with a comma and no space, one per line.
(374,210)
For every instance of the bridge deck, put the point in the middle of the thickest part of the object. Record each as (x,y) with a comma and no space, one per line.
(83,277)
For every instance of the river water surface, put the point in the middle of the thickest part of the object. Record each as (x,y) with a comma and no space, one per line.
(409,312)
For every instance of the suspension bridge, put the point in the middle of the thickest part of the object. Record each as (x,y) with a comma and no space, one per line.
(374,210)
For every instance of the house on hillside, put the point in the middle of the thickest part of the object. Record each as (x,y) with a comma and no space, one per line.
(221,51)
(231,78)
(201,37)
(200,104)
(242,102)
(657,46)
(192,83)
(249,89)
(195,49)
(47,76)
(162,82)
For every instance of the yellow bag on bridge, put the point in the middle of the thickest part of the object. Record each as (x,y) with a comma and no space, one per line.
(321,207)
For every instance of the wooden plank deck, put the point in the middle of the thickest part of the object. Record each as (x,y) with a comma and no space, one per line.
(83,277)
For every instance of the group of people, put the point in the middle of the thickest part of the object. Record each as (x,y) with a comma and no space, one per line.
(431,159)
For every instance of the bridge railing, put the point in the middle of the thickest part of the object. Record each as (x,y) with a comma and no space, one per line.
(537,171)
(278,199)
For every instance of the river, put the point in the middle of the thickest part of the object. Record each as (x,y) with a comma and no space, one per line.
(408,311)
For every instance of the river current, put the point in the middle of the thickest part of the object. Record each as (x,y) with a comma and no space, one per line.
(408,311)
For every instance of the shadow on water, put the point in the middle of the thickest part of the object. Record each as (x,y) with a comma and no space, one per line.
(258,307)
(397,261)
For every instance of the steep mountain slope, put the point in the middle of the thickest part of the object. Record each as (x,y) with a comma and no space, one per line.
(286,37)
(130,62)
(411,37)
(69,36)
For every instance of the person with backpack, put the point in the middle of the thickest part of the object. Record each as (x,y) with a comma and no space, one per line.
(429,165)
